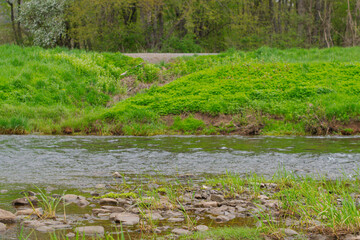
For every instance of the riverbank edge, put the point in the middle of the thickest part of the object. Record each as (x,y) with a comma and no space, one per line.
(198,124)
(279,207)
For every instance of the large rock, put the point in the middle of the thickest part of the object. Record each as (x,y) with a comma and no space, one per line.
(25,201)
(29,212)
(91,230)
(6,216)
(108,201)
(2,227)
(72,198)
(125,218)
(113,209)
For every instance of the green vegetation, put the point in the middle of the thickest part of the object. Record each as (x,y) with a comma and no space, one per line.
(267,91)
(228,233)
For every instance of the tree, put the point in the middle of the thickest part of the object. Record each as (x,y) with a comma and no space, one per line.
(44,19)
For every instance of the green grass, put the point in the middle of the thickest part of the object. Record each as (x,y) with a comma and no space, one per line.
(228,233)
(267,91)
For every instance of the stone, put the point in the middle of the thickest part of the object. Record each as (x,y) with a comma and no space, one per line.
(25,201)
(72,198)
(122,202)
(352,237)
(289,232)
(70,235)
(2,227)
(82,203)
(222,219)
(180,231)
(170,214)
(113,209)
(61,226)
(91,230)
(45,229)
(100,210)
(240,209)
(154,216)
(125,218)
(28,193)
(4,191)
(100,186)
(201,228)
(108,201)
(209,204)
(29,212)
(116,175)
(322,237)
(33,223)
(217,198)
(6,216)
(175,220)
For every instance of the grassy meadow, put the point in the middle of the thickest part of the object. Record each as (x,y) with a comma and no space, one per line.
(267,91)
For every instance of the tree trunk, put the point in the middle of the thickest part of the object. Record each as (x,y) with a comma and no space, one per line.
(12,16)
(301,12)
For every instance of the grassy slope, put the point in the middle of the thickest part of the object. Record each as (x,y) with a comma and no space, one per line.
(267,91)
(271,91)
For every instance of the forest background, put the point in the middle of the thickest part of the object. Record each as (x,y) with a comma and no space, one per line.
(180,25)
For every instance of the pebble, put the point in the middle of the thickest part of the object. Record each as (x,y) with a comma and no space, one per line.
(180,231)
(2,227)
(201,228)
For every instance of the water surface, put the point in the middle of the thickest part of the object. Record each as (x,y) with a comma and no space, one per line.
(86,161)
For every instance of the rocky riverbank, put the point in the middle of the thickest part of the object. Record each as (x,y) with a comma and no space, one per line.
(180,208)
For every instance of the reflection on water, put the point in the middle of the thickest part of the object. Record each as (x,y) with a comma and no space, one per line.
(85,161)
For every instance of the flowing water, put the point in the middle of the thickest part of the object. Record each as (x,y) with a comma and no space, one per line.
(86,161)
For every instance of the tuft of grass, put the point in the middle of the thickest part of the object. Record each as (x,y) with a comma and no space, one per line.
(227,233)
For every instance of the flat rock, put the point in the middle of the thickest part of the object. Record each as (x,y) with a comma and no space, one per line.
(2,227)
(289,232)
(222,218)
(108,201)
(217,198)
(33,224)
(352,237)
(70,235)
(82,203)
(61,226)
(201,228)
(175,219)
(72,198)
(125,218)
(4,191)
(100,210)
(45,229)
(6,216)
(180,231)
(154,216)
(29,212)
(113,209)
(91,230)
(209,204)
(25,201)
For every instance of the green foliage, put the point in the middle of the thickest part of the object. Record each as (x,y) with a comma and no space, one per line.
(189,124)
